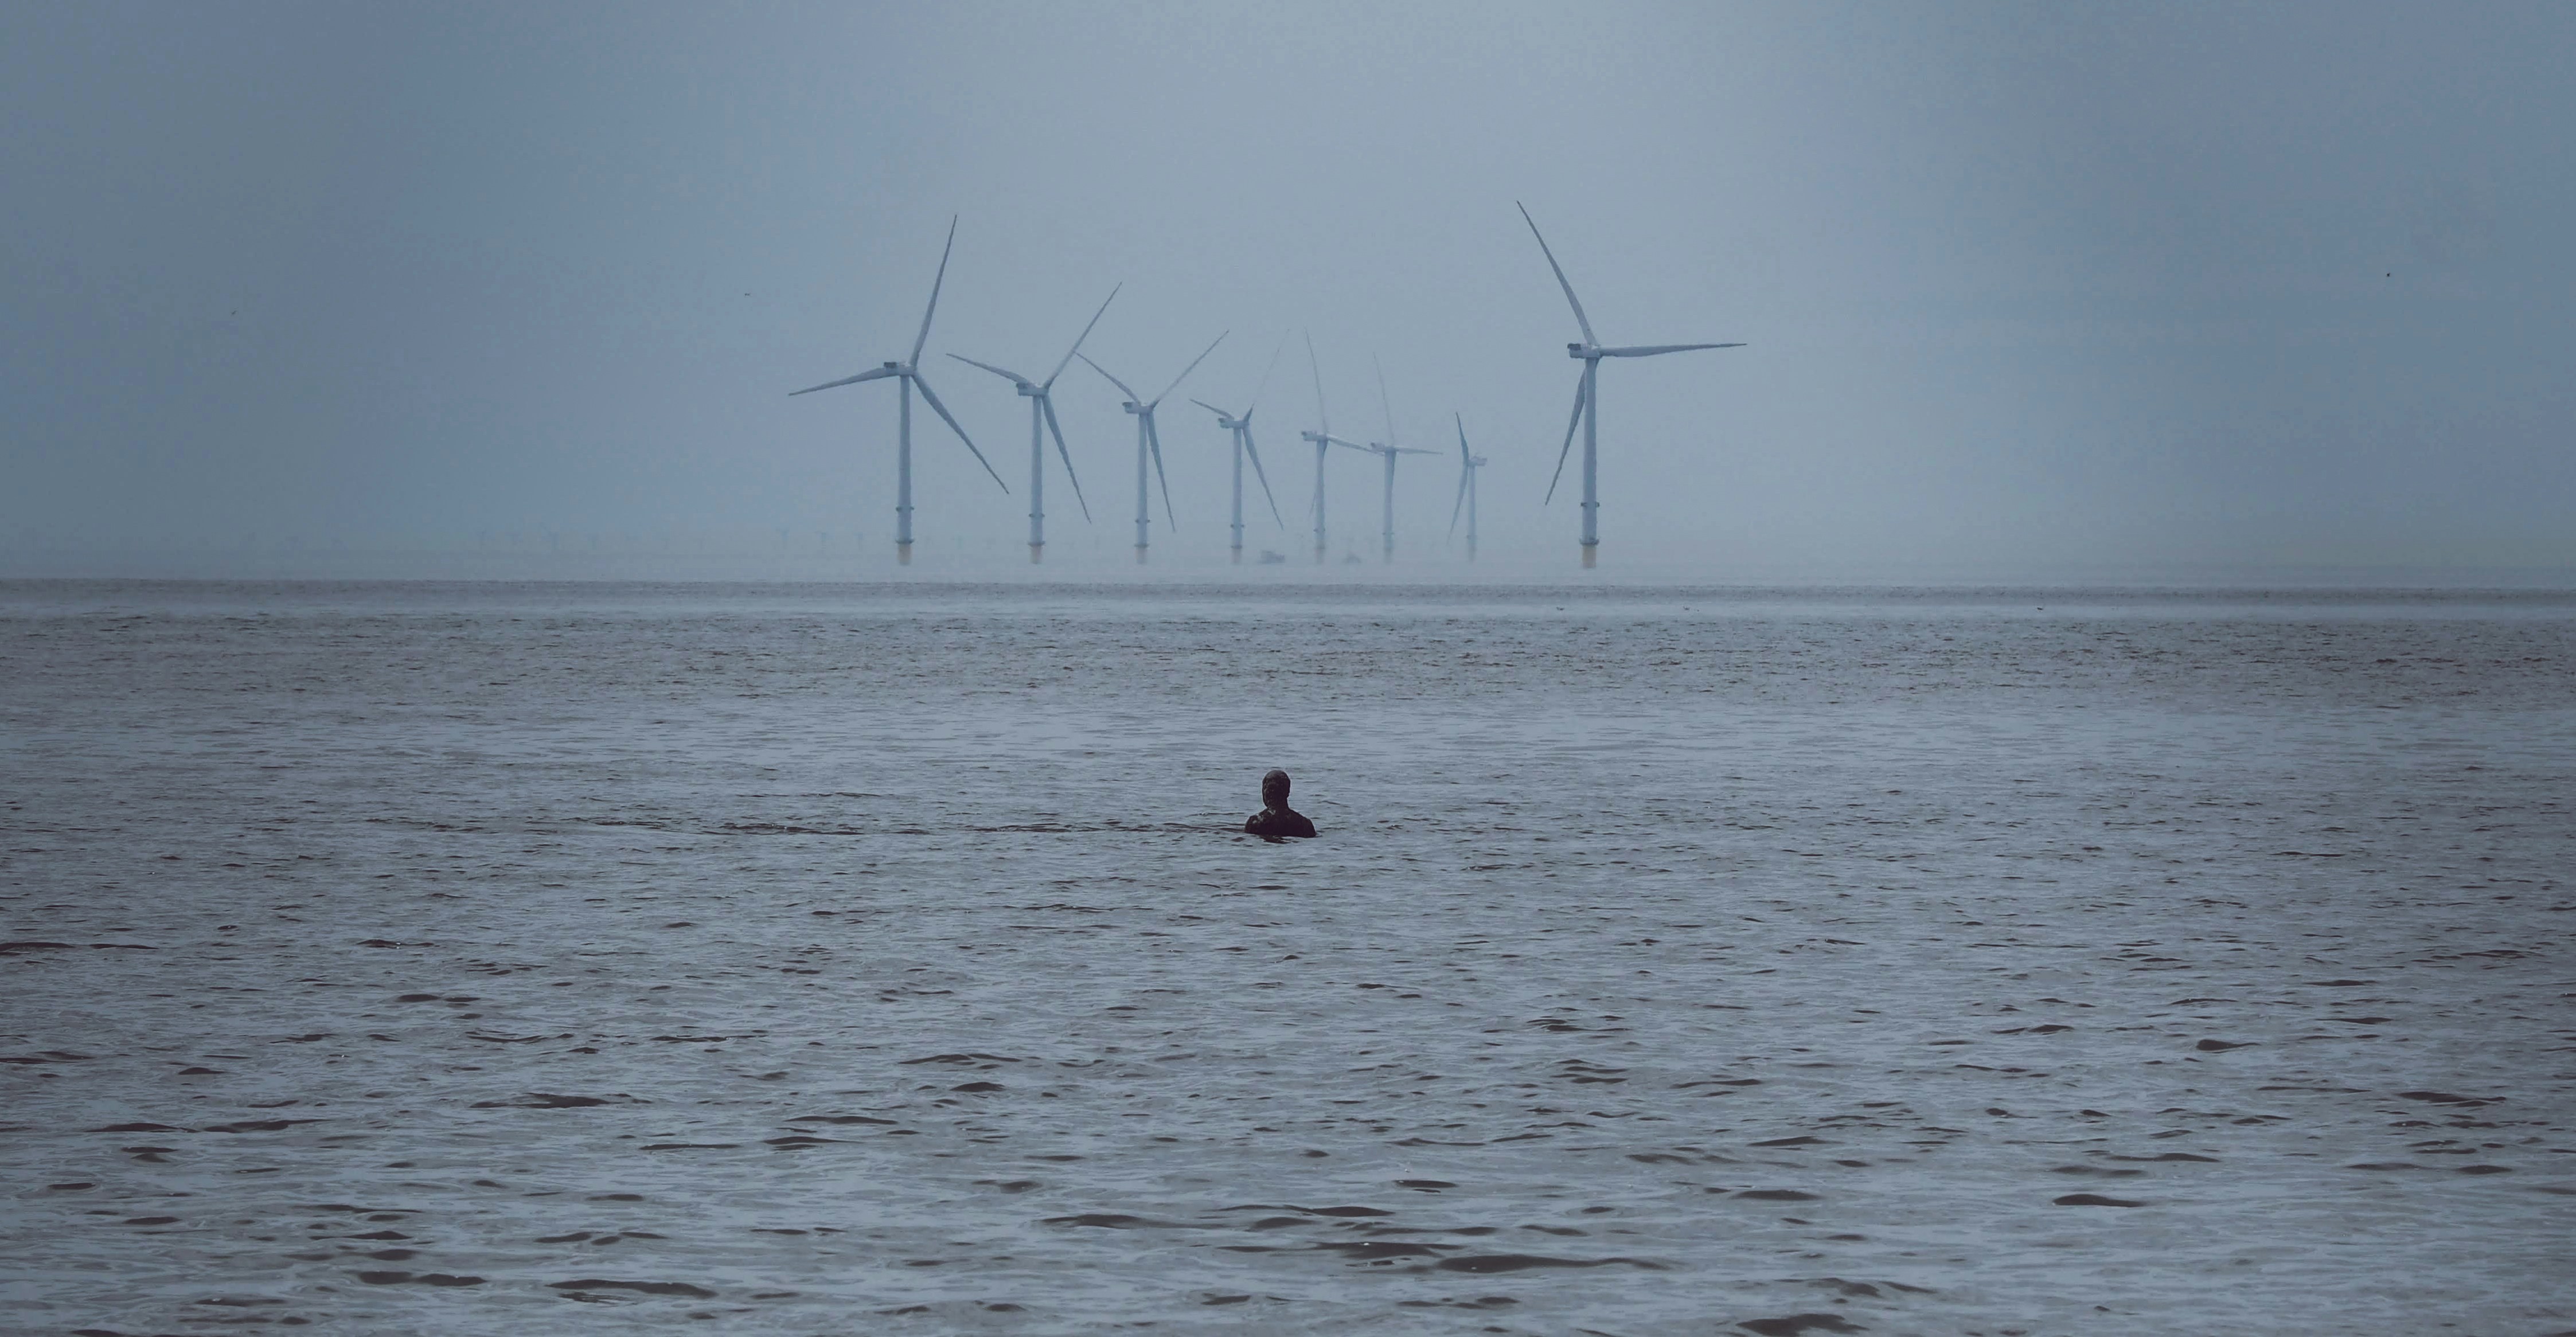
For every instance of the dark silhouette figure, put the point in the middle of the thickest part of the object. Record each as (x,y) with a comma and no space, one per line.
(1276,819)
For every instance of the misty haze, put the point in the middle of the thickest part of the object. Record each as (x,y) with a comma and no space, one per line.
(1928,649)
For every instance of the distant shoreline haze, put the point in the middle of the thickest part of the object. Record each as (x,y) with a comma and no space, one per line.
(1005,563)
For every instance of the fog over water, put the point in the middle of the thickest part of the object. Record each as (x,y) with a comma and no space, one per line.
(2031,293)
(864,959)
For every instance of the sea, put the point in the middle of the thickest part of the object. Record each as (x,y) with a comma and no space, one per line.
(888,958)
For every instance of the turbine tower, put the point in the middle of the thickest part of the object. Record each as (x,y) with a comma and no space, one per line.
(1323,441)
(1587,395)
(909,372)
(1240,426)
(1042,415)
(1468,464)
(1149,443)
(1388,450)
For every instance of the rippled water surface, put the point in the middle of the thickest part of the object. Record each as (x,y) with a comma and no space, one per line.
(464,959)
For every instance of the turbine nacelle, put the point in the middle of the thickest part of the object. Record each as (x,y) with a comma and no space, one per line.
(1580,350)
(1132,406)
(1226,420)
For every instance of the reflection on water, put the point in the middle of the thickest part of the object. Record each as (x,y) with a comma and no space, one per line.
(432,959)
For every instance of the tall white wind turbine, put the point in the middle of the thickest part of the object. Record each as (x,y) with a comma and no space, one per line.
(1042,415)
(909,370)
(1240,426)
(1149,443)
(1323,440)
(1587,396)
(1387,450)
(1468,464)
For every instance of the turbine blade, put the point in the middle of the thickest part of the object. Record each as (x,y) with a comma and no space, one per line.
(1462,438)
(1323,420)
(1458,507)
(951,420)
(1570,299)
(1212,408)
(928,311)
(1155,439)
(1194,366)
(876,374)
(1255,453)
(1570,424)
(1264,382)
(1086,333)
(1122,385)
(1650,350)
(1048,404)
(1012,376)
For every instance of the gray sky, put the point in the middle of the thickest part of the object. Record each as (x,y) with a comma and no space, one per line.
(2045,288)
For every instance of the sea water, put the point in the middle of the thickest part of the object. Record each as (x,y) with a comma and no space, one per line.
(817,959)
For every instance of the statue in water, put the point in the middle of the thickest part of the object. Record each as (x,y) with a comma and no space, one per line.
(1276,819)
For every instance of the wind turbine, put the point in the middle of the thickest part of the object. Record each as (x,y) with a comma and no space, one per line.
(1468,464)
(1323,441)
(1240,425)
(1042,415)
(909,371)
(1587,394)
(1150,442)
(1388,450)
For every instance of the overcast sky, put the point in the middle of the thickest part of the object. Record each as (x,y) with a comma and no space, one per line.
(2052,288)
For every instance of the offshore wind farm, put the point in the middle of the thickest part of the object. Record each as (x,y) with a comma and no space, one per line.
(1323,440)
(1149,444)
(1238,429)
(1468,463)
(1150,469)
(1388,452)
(1040,395)
(2031,795)
(908,374)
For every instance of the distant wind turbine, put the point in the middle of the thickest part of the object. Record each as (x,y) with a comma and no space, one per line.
(1240,425)
(1323,441)
(1587,395)
(1388,450)
(1468,464)
(1042,415)
(909,371)
(1149,442)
